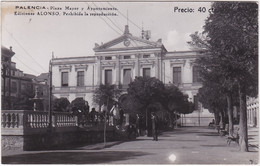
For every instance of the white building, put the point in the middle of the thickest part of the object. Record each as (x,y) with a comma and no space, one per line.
(119,61)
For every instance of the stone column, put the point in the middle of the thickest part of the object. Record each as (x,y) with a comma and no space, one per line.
(99,75)
(137,65)
(117,70)
(156,65)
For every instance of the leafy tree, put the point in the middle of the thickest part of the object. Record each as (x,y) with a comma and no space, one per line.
(130,105)
(213,100)
(146,90)
(61,105)
(106,94)
(176,102)
(232,41)
(79,104)
(150,94)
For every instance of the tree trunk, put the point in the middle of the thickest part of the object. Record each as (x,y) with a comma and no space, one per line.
(170,117)
(243,135)
(230,114)
(222,119)
(217,117)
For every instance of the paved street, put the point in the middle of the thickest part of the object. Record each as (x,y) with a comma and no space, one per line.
(186,145)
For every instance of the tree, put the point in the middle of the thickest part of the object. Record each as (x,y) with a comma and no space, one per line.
(176,102)
(61,105)
(80,105)
(130,105)
(146,90)
(232,43)
(23,101)
(106,94)
(150,94)
(213,99)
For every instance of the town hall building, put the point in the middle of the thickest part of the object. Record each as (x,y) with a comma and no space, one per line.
(119,61)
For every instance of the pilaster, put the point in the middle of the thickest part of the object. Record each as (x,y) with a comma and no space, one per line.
(137,65)
(117,70)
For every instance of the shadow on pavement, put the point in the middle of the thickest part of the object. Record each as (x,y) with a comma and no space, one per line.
(182,140)
(218,146)
(209,134)
(71,157)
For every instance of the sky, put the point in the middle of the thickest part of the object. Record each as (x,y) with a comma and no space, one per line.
(35,37)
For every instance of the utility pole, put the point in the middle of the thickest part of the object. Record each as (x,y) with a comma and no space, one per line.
(9,85)
(50,96)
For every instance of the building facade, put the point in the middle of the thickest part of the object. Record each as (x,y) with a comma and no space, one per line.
(119,61)
(253,111)
(17,86)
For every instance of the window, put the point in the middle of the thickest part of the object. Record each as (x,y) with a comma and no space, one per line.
(127,76)
(146,56)
(196,74)
(108,77)
(146,72)
(14,87)
(127,57)
(80,78)
(64,79)
(23,86)
(108,58)
(177,75)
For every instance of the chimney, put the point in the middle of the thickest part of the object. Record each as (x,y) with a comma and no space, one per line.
(126,30)
(11,48)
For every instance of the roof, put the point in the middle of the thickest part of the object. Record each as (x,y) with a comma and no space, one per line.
(42,77)
(7,52)
(30,76)
(134,42)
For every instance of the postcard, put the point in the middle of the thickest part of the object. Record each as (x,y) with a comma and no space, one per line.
(136,82)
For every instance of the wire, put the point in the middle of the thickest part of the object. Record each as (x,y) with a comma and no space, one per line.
(111,20)
(24,49)
(125,17)
(27,66)
(105,21)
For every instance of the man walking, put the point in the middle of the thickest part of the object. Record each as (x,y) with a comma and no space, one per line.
(154,126)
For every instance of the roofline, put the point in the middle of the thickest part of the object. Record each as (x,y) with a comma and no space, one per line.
(141,48)
(186,51)
(73,57)
(107,44)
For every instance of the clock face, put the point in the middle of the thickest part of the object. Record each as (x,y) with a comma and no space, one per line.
(126,43)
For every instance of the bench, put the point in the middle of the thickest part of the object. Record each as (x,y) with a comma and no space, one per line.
(234,138)
(221,131)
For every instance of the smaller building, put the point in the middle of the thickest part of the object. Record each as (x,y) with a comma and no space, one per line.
(252,111)
(18,87)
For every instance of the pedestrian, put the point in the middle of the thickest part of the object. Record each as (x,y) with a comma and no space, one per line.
(114,113)
(104,111)
(137,125)
(155,126)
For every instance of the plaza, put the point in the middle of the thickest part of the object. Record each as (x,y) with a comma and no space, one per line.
(188,145)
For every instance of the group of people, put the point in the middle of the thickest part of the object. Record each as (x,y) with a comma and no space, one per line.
(115,117)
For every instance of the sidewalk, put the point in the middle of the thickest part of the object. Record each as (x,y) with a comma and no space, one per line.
(187,145)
